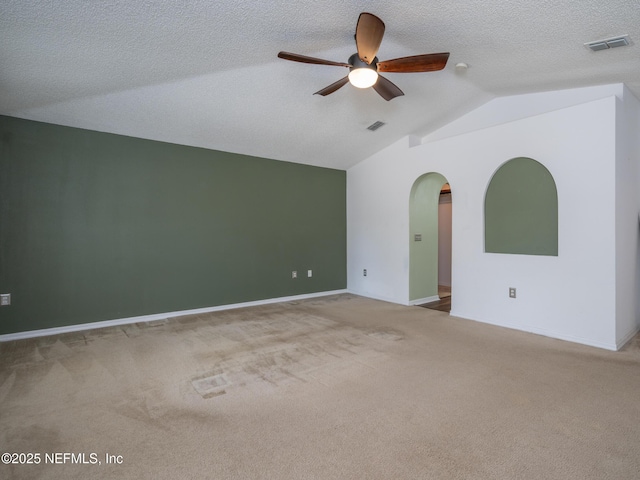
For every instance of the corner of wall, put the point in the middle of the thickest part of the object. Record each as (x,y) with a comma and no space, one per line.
(414,141)
(627,222)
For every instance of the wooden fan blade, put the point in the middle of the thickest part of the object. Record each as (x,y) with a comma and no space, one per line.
(333,87)
(387,89)
(369,33)
(429,62)
(304,59)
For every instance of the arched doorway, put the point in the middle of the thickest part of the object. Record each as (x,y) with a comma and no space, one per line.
(423,238)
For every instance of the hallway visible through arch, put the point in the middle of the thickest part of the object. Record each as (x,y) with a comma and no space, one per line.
(444,250)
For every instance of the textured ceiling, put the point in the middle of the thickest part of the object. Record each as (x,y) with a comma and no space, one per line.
(206,74)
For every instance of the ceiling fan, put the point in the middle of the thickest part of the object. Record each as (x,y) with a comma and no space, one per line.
(364,66)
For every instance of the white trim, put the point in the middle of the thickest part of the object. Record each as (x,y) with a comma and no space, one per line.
(543,332)
(375,297)
(421,301)
(409,303)
(7,337)
(627,338)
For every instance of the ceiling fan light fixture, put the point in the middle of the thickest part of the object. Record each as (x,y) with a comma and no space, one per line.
(364,66)
(363,77)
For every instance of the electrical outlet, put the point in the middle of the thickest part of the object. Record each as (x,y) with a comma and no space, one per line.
(294,274)
(364,272)
(512,292)
(309,273)
(5,299)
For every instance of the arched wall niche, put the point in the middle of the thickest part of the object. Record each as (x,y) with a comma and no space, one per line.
(521,210)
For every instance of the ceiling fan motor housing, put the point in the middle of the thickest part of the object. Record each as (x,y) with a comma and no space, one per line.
(355,62)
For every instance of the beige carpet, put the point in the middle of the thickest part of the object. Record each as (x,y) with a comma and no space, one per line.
(335,388)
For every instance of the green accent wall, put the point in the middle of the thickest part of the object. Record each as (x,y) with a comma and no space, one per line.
(521,210)
(95,226)
(423,220)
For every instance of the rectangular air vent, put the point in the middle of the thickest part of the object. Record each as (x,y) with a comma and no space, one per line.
(618,42)
(608,43)
(376,125)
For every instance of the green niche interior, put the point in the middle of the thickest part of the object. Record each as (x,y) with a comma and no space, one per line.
(521,210)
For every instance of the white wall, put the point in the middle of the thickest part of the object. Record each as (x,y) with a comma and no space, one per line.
(571,296)
(508,109)
(627,220)
(378,225)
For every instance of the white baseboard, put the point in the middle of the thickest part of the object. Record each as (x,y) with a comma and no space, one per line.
(421,301)
(627,338)
(375,297)
(543,332)
(157,316)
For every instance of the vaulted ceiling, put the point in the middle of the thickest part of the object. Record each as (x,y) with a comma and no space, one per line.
(206,73)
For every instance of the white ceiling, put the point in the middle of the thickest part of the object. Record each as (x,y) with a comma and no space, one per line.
(205,73)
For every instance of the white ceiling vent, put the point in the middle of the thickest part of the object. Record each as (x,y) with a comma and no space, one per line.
(613,42)
(375,125)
